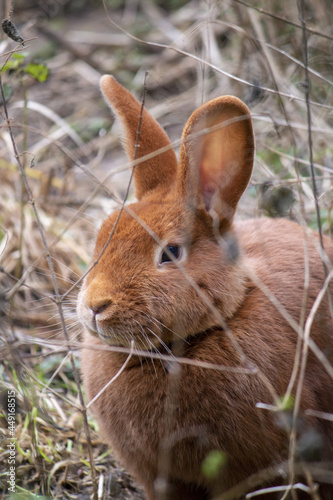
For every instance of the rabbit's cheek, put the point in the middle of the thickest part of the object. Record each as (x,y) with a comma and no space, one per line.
(82,310)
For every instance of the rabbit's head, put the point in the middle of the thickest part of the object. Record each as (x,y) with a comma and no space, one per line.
(155,258)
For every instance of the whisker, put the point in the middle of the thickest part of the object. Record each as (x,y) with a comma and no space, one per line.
(158,322)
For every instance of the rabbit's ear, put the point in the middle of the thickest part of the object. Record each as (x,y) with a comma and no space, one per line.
(216,155)
(160,170)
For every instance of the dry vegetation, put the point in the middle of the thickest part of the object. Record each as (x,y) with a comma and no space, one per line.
(67,148)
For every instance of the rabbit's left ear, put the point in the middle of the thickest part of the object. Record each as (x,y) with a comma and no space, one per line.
(216,156)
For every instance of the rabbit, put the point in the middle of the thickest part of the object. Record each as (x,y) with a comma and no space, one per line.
(174,274)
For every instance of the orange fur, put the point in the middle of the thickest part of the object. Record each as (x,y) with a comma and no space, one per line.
(162,424)
(128,113)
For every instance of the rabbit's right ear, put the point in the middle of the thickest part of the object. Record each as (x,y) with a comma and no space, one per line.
(158,171)
(216,156)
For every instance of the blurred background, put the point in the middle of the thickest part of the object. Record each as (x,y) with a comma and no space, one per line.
(276,55)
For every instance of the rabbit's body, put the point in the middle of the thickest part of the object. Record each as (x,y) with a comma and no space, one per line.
(216,410)
(161,422)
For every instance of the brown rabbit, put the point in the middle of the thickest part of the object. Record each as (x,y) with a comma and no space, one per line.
(175,270)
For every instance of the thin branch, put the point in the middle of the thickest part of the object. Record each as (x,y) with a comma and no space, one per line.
(285,20)
(307,89)
(119,372)
(210,65)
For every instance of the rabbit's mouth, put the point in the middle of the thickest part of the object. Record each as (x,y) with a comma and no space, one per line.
(145,340)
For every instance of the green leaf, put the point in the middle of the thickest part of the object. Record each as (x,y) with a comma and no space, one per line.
(7,91)
(38,71)
(15,62)
(287,403)
(213,463)
(24,454)
(69,445)
(44,456)
(11,65)
(20,56)
(85,462)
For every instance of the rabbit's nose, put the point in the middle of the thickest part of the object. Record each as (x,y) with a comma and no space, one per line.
(99,307)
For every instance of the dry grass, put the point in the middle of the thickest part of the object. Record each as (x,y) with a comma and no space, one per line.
(62,132)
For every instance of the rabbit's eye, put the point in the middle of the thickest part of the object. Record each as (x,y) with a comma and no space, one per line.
(174,250)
